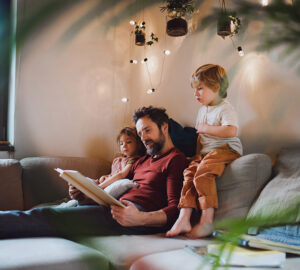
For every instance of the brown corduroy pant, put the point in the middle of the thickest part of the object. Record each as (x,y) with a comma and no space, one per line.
(199,188)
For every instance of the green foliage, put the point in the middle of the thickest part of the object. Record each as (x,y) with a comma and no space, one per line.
(186,6)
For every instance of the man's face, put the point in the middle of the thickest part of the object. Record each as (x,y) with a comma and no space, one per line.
(151,135)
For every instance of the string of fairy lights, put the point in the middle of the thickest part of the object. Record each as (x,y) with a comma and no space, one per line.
(139,27)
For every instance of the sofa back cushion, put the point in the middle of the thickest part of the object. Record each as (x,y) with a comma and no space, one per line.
(241,183)
(41,184)
(10,185)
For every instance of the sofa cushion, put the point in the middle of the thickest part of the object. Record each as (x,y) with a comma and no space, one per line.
(41,184)
(49,253)
(11,185)
(240,184)
(279,202)
(123,250)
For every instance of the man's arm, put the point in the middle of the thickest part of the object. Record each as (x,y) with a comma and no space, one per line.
(131,216)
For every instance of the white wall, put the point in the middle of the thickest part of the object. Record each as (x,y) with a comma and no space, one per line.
(68,95)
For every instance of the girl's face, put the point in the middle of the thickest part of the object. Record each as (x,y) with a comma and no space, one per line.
(206,95)
(128,146)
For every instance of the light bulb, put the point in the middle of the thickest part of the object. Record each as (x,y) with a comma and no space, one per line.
(264,2)
(132,22)
(124,99)
(167,52)
(144,60)
(150,91)
(240,50)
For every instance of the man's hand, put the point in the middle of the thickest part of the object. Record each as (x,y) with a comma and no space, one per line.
(128,216)
(202,128)
(76,194)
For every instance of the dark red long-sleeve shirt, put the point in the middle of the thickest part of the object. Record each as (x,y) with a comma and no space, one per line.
(160,182)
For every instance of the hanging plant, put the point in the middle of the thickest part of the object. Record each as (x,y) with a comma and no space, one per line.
(140,36)
(177,9)
(228,24)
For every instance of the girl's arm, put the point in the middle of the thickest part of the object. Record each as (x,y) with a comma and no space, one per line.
(218,131)
(121,175)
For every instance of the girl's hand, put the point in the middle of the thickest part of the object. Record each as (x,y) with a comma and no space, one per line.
(102,178)
(202,128)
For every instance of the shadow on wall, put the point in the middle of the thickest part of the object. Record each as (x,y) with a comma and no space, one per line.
(272,95)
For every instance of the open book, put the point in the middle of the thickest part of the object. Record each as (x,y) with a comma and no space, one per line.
(88,187)
(258,242)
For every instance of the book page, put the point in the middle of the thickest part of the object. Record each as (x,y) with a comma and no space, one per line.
(88,187)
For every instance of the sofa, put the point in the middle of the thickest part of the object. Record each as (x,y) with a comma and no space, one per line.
(32,181)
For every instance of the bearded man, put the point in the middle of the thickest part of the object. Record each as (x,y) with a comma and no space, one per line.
(149,208)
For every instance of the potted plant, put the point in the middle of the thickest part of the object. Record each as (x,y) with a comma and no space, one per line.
(140,34)
(228,24)
(177,9)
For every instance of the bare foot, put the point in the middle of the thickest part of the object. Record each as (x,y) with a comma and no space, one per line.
(200,230)
(205,226)
(180,226)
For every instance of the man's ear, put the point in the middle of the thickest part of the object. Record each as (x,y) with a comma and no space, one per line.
(165,128)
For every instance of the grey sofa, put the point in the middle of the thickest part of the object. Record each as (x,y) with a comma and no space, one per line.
(32,181)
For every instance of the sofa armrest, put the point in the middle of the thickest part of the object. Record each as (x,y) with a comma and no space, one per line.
(241,183)
(11,196)
(41,184)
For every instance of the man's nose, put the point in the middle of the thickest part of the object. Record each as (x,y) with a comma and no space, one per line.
(143,136)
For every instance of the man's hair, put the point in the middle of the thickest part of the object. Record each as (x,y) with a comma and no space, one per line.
(213,76)
(157,115)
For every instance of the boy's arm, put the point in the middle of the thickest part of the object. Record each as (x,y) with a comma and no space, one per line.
(121,175)
(218,131)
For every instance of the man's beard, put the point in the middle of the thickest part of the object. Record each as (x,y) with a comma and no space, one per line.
(156,147)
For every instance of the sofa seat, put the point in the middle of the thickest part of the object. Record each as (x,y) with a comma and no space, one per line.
(49,253)
(124,250)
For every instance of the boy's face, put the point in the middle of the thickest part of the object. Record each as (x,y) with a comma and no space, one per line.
(206,95)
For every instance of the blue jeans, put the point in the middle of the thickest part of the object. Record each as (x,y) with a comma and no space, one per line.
(65,222)
(289,234)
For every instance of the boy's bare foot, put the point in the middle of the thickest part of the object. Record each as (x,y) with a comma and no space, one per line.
(205,226)
(200,230)
(182,224)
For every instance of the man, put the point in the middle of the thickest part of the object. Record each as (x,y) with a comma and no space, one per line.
(150,208)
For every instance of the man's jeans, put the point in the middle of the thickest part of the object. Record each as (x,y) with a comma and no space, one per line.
(65,222)
(289,234)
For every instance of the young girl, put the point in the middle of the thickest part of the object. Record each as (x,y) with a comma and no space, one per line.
(131,148)
(217,127)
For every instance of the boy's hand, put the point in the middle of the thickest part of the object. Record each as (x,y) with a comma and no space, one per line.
(202,128)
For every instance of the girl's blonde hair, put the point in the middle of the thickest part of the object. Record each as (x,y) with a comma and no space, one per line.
(131,132)
(213,76)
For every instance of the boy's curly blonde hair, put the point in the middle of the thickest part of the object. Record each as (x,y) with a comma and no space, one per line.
(213,76)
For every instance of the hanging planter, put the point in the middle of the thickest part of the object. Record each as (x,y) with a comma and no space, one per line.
(177,9)
(140,36)
(140,39)
(177,27)
(228,25)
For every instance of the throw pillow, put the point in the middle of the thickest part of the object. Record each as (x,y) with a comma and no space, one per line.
(278,203)
(185,139)
(119,187)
